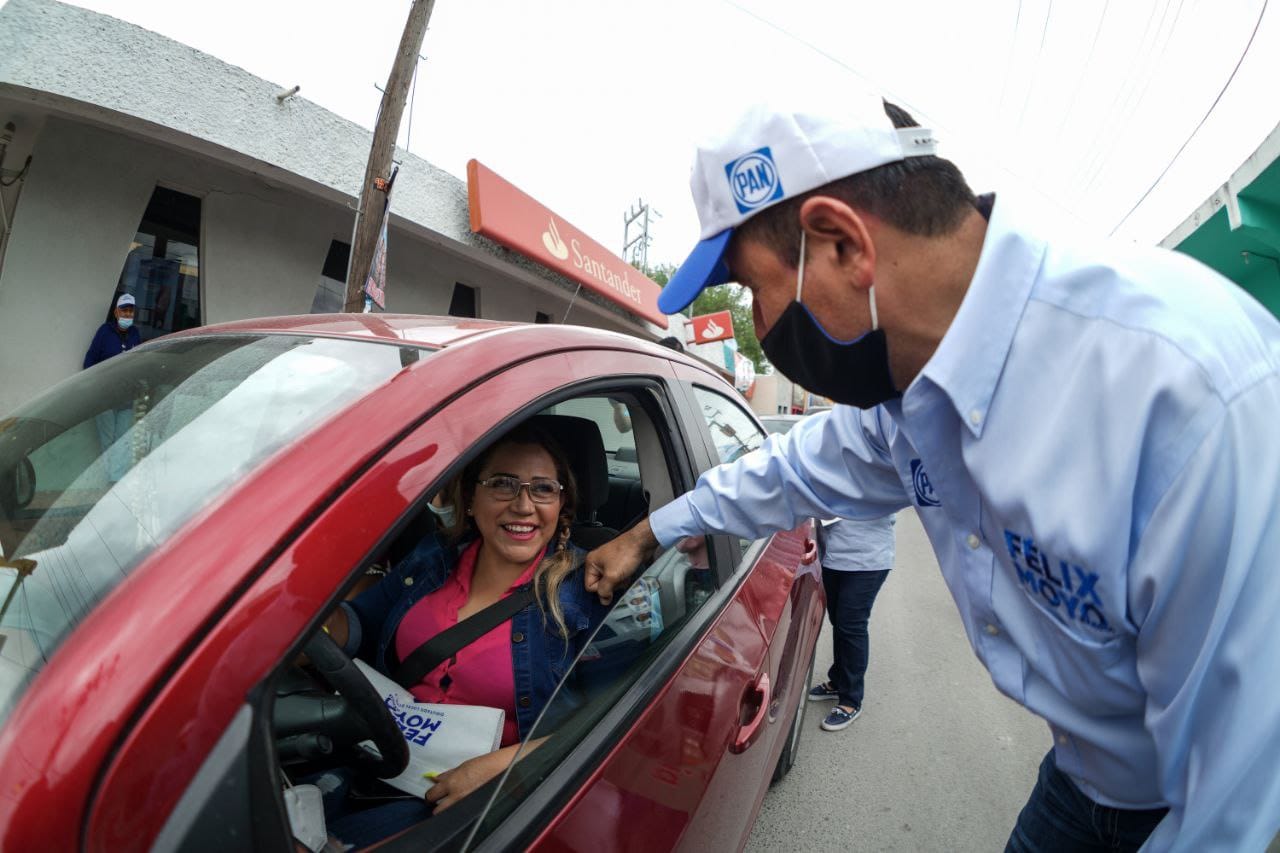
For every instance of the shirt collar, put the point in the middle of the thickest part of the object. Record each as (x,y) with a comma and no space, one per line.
(971,355)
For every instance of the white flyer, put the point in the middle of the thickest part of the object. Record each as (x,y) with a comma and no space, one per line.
(440,737)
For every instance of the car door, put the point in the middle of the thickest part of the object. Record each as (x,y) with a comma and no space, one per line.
(234,799)
(782,593)
(682,748)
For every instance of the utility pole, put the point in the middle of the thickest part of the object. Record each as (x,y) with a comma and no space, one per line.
(364,235)
(635,250)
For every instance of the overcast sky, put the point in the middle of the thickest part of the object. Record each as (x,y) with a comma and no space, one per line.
(1074,108)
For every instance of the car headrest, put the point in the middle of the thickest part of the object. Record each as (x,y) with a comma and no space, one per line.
(580,440)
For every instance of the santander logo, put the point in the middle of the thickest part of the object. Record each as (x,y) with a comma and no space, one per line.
(552,242)
(712,330)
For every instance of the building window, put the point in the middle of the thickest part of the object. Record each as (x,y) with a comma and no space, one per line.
(162,270)
(331,292)
(464,302)
(541,317)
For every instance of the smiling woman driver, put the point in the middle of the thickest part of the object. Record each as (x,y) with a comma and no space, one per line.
(519,499)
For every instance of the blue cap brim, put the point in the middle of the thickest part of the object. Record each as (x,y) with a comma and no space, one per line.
(705,267)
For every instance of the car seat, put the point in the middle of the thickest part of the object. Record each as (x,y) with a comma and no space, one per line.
(582,444)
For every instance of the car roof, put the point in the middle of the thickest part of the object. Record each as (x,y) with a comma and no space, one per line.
(435,332)
(390,328)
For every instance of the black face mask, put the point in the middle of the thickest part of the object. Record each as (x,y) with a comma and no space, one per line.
(853,372)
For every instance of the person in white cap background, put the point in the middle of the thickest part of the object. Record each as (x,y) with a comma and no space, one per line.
(1087,433)
(115,336)
(856,556)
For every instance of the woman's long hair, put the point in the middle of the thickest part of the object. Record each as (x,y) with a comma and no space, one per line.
(558,562)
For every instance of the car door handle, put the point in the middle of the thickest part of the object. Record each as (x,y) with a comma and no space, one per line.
(748,733)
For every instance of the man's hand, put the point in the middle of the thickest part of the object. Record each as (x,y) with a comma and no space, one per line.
(612,564)
(695,548)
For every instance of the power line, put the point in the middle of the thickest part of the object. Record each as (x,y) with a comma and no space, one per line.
(1257,24)
(1008,66)
(1035,69)
(875,85)
(1097,147)
(1130,107)
(1088,60)
(893,96)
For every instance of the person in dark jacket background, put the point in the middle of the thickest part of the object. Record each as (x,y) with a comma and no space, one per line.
(115,336)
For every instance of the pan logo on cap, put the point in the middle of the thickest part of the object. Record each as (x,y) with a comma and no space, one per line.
(753,180)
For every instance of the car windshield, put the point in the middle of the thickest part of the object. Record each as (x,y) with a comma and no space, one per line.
(101,470)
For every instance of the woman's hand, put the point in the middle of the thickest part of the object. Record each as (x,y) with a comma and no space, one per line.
(453,785)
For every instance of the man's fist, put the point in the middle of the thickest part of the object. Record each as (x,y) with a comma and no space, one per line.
(612,564)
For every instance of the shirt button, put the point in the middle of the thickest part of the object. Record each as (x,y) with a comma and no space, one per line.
(525,701)
(991,629)
(975,417)
(1062,739)
(517,637)
(973,541)
(408,581)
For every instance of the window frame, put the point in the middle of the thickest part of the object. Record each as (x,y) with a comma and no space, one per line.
(562,782)
(736,555)
(663,403)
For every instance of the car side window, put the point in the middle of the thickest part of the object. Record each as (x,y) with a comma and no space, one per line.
(617,418)
(733,432)
(634,639)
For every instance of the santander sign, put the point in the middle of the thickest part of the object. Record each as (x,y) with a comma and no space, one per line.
(507,215)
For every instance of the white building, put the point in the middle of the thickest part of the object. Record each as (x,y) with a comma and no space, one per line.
(161,170)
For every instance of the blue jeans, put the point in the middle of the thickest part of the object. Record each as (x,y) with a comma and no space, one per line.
(1059,817)
(362,827)
(849,599)
(117,453)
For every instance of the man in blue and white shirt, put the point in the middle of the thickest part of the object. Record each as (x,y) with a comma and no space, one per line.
(1088,434)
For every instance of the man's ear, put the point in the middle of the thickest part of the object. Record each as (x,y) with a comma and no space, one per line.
(840,236)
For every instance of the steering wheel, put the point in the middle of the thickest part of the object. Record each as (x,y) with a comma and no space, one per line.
(308,722)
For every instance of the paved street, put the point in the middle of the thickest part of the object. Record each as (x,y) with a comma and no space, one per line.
(938,760)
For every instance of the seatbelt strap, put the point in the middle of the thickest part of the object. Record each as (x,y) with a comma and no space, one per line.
(449,642)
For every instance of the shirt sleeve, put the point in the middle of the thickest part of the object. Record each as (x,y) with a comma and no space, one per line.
(836,464)
(1204,593)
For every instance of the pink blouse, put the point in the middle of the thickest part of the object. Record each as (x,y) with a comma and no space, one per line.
(480,673)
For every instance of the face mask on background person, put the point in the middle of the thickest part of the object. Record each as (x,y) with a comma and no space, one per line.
(852,372)
(125,322)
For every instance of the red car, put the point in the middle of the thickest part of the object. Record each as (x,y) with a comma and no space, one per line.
(157,592)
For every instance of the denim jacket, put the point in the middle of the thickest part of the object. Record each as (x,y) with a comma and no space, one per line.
(539,655)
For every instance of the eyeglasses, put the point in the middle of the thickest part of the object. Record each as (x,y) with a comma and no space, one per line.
(504,487)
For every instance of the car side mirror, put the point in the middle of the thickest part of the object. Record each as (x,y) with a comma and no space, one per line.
(18,486)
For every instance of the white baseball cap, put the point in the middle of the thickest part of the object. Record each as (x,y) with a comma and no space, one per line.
(125,299)
(770,155)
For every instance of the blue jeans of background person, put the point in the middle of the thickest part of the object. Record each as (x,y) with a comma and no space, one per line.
(113,428)
(849,599)
(1059,817)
